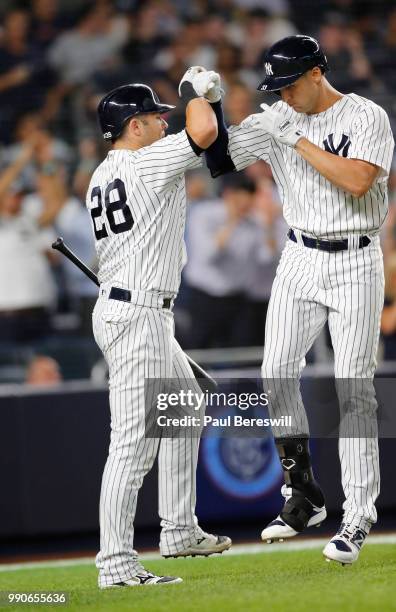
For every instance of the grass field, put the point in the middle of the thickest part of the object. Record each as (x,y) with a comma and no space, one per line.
(280,581)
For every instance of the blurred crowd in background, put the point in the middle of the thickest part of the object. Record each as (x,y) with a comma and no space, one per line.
(57,59)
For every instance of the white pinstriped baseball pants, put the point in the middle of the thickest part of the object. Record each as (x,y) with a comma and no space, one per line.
(347,290)
(138,343)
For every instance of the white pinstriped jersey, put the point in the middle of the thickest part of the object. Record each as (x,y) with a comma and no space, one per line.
(353,127)
(137,203)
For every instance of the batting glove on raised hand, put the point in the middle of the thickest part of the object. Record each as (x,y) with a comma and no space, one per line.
(272,122)
(208,84)
(188,77)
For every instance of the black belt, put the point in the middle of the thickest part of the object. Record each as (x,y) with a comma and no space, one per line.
(330,246)
(124,295)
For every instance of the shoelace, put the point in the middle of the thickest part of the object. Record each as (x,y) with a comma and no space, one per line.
(352,534)
(200,534)
(146,575)
(343,531)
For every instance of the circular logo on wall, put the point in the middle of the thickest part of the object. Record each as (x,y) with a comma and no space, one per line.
(242,467)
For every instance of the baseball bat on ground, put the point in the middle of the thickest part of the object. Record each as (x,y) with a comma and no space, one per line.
(199,372)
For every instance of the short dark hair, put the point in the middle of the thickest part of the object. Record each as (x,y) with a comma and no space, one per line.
(238,182)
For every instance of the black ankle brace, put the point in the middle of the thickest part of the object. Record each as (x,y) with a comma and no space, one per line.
(295,459)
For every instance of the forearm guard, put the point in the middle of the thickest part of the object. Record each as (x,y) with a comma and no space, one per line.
(217,156)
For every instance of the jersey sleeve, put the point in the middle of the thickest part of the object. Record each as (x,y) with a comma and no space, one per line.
(163,162)
(247,144)
(372,138)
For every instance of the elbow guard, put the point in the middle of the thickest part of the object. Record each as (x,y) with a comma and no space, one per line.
(218,159)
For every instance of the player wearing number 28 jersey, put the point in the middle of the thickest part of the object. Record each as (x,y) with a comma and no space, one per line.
(136,199)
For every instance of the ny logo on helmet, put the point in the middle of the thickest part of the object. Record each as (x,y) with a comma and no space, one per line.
(342,148)
(268,68)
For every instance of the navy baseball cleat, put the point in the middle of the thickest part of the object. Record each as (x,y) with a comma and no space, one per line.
(297,514)
(345,546)
(204,545)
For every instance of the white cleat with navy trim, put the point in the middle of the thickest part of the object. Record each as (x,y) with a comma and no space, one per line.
(346,544)
(297,510)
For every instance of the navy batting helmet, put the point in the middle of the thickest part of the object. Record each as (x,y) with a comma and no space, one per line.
(288,59)
(123,103)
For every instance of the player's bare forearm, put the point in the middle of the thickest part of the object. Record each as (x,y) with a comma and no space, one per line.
(8,176)
(352,175)
(201,122)
(223,236)
(54,196)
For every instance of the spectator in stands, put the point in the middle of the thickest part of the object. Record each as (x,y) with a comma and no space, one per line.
(47,23)
(151,29)
(88,161)
(388,321)
(31,127)
(222,240)
(98,35)
(28,290)
(200,50)
(228,63)
(78,53)
(238,104)
(345,52)
(366,19)
(384,55)
(267,211)
(256,38)
(25,79)
(214,30)
(275,7)
(388,232)
(170,65)
(256,32)
(199,189)
(74,224)
(43,371)
(146,38)
(195,44)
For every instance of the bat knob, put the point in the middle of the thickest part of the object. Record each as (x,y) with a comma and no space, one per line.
(58,242)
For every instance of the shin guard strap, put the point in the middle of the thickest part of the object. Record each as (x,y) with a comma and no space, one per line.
(296,512)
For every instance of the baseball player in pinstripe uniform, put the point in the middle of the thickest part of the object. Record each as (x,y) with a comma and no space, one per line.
(330,155)
(136,199)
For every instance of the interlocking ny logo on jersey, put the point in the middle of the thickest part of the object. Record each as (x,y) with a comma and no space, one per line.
(268,68)
(341,149)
